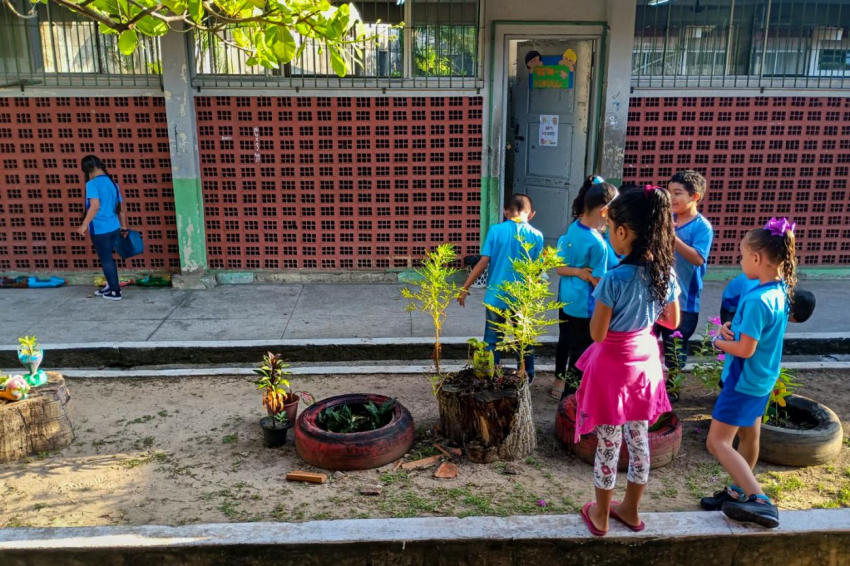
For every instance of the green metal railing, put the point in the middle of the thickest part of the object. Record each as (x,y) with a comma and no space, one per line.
(438,46)
(59,48)
(742,44)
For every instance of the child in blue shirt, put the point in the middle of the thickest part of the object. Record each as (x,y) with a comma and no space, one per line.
(500,248)
(585,256)
(693,243)
(801,310)
(753,350)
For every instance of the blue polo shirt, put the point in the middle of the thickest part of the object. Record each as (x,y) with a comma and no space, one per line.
(613,259)
(762,315)
(735,290)
(106,220)
(581,247)
(626,290)
(697,234)
(502,247)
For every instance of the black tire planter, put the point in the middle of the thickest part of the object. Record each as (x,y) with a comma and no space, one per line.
(274,436)
(664,443)
(812,447)
(357,450)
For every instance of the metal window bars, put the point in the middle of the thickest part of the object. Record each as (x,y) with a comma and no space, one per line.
(60,48)
(741,44)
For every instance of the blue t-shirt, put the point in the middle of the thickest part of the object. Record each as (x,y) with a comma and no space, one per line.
(106,220)
(762,315)
(613,259)
(581,247)
(697,234)
(502,246)
(626,290)
(735,291)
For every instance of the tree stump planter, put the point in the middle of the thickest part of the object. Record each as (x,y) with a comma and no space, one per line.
(356,450)
(492,425)
(814,445)
(664,443)
(39,423)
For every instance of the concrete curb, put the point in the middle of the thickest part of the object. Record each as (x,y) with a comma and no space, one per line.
(140,354)
(696,538)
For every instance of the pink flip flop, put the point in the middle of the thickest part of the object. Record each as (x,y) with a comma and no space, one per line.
(590,526)
(633,528)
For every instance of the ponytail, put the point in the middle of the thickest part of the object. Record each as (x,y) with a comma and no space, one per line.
(647,212)
(776,241)
(91,162)
(594,192)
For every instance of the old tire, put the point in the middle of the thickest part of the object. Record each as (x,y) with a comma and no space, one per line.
(803,447)
(355,451)
(664,443)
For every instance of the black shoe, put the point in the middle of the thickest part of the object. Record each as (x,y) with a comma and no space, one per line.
(716,501)
(112,295)
(762,513)
(101,292)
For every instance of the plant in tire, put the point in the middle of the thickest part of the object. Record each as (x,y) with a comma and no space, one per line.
(431,294)
(785,386)
(274,385)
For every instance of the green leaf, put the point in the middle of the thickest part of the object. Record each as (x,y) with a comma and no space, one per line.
(152,26)
(127,42)
(284,46)
(196,10)
(106,30)
(337,61)
(176,6)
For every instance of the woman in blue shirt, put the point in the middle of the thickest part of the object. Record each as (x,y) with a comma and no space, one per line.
(105,221)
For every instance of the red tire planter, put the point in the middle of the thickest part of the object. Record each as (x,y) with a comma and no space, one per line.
(664,443)
(358,450)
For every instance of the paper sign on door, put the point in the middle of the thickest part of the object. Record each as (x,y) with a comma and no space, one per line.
(548,130)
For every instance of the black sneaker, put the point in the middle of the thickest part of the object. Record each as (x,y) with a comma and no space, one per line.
(716,501)
(101,292)
(762,513)
(112,296)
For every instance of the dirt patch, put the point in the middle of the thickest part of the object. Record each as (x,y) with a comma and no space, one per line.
(190,450)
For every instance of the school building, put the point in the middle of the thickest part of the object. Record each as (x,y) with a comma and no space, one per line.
(236,170)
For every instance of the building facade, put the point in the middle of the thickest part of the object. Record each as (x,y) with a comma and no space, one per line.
(234,169)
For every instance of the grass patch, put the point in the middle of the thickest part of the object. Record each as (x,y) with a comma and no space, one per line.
(230,438)
(778,486)
(141,420)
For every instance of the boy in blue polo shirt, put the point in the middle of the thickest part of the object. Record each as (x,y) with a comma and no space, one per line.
(801,309)
(693,243)
(500,248)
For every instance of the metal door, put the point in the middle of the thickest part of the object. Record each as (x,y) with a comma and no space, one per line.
(551,174)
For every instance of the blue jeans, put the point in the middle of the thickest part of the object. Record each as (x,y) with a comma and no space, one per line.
(493,336)
(104,245)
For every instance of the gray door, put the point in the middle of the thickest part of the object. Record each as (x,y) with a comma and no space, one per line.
(551,174)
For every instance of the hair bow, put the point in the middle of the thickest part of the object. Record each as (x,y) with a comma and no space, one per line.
(648,189)
(596,180)
(778,226)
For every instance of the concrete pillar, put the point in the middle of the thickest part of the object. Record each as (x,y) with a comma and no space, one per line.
(618,78)
(185,160)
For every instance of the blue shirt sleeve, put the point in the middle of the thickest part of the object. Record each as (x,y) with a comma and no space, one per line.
(703,234)
(675,291)
(732,294)
(607,291)
(599,259)
(489,243)
(755,316)
(91,191)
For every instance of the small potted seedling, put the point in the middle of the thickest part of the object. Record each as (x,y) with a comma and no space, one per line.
(482,359)
(30,355)
(280,402)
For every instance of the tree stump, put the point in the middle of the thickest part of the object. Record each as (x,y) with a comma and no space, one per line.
(39,423)
(492,425)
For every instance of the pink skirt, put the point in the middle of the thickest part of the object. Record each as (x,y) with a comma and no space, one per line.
(622,382)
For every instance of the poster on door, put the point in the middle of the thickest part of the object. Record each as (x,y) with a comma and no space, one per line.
(548,130)
(551,71)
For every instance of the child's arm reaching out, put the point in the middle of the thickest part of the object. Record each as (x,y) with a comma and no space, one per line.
(473,275)
(743,348)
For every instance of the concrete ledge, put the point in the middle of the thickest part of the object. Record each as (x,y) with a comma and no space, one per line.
(696,539)
(140,354)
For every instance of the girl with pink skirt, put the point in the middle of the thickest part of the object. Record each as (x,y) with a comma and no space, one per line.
(623,386)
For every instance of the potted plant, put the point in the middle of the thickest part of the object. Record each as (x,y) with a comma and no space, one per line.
(280,402)
(354,432)
(30,355)
(491,415)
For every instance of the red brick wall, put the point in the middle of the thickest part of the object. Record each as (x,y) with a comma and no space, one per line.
(338,183)
(43,193)
(762,157)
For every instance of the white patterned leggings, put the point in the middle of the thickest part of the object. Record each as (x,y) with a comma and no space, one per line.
(608,453)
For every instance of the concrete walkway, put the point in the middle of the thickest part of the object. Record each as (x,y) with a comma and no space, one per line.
(71,315)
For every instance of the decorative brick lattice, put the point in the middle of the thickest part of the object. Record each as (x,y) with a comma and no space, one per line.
(762,157)
(42,197)
(338,183)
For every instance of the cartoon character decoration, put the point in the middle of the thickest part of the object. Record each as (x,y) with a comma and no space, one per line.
(551,71)
(14,387)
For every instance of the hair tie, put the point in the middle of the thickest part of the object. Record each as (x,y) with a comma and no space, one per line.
(648,190)
(778,227)
(596,180)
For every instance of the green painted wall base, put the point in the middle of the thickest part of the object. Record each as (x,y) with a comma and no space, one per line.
(189,208)
(490,205)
